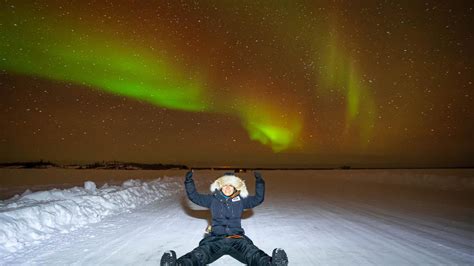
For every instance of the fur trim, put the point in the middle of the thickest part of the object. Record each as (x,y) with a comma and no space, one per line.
(233,180)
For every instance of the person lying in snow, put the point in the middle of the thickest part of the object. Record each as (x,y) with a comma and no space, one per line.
(227,202)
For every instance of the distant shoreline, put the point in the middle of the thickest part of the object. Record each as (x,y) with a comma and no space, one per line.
(96,165)
(117,165)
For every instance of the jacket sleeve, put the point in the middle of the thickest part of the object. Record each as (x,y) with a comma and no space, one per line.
(200,199)
(254,201)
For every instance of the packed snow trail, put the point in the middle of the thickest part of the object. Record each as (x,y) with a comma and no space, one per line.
(316,221)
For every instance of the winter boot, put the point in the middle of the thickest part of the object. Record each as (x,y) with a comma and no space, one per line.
(168,258)
(279,257)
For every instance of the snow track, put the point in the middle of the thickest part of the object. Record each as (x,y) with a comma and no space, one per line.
(326,223)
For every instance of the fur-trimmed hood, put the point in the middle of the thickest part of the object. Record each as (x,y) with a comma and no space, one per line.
(230,179)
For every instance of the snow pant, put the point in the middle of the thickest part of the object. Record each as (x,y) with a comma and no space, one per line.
(212,248)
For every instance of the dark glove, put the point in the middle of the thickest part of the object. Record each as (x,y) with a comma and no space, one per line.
(258,176)
(189,176)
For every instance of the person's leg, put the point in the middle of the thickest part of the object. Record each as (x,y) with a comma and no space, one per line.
(233,252)
(209,250)
(251,254)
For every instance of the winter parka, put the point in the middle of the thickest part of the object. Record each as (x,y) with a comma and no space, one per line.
(226,211)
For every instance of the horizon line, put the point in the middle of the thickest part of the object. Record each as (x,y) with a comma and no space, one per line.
(189,166)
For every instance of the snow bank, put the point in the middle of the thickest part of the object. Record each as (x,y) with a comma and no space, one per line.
(32,217)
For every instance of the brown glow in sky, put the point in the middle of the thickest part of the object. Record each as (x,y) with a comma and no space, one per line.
(241,83)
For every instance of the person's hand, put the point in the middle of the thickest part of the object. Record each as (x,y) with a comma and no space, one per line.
(258,176)
(189,175)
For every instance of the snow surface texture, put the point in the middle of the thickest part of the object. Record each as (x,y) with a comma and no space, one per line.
(32,217)
(318,217)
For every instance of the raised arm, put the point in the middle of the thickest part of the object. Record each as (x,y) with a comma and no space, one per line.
(254,201)
(200,199)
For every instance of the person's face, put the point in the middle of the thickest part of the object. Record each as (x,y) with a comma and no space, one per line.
(227,190)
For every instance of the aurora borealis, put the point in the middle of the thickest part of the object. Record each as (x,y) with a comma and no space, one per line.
(241,83)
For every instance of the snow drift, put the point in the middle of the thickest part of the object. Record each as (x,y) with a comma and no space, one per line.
(32,217)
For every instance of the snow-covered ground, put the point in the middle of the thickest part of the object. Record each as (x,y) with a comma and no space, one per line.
(368,217)
(35,216)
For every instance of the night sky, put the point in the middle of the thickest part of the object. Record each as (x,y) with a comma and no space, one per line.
(238,83)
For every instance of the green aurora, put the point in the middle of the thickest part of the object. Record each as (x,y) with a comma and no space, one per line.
(49,49)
